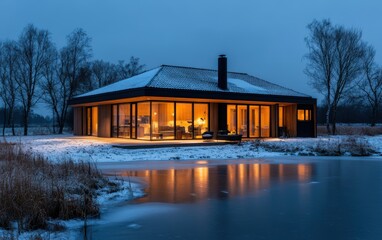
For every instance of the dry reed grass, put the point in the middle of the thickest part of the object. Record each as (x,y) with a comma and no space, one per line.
(361,130)
(33,190)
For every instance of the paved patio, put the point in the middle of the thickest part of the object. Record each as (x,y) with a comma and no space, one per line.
(144,144)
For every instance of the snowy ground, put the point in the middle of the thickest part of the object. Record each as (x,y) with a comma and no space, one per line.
(59,147)
(101,150)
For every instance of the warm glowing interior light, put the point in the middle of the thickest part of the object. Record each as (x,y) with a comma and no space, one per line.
(201,162)
(300,115)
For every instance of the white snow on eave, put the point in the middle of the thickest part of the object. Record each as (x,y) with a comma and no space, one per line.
(137,81)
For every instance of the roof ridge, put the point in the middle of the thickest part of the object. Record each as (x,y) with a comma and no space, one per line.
(196,68)
(152,79)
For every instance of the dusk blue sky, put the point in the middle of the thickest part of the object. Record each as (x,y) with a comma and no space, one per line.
(262,38)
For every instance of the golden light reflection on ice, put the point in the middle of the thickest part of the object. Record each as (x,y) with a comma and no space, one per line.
(203,182)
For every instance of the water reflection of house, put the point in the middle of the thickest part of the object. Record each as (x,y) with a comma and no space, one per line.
(171,102)
(188,185)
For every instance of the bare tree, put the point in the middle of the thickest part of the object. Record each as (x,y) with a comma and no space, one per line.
(104,73)
(320,66)
(52,86)
(371,83)
(349,51)
(85,80)
(34,53)
(8,86)
(62,75)
(334,62)
(130,69)
(78,52)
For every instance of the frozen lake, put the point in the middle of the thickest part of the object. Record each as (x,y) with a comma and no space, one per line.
(291,198)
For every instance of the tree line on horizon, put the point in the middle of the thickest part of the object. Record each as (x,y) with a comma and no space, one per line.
(33,69)
(342,67)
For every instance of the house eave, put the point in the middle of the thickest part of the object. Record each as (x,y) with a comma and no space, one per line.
(183,93)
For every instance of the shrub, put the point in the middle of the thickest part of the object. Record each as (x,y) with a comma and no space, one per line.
(358,146)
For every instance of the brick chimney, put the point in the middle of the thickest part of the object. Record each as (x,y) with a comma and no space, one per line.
(222,72)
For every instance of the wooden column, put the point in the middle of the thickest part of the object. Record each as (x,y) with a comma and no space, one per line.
(104,121)
(214,118)
(291,120)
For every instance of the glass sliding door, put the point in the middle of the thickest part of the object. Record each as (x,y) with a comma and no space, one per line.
(162,122)
(143,120)
(178,120)
(231,118)
(265,121)
(114,127)
(89,121)
(133,127)
(94,119)
(124,121)
(183,121)
(242,120)
(201,120)
(254,121)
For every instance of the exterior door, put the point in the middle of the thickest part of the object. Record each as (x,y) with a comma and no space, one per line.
(92,121)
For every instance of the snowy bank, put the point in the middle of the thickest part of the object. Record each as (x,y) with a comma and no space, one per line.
(72,229)
(58,147)
(36,195)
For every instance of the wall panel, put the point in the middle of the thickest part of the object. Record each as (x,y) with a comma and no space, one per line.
(77,121)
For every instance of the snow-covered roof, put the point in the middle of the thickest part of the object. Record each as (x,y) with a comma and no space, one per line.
(186,78)
(138,81)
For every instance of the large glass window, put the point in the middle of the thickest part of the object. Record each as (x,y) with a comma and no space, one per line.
(231,118)
(300,115)
(133,120)
(183,121)
(304,115)
(200,119)
(114,129)
(143,120)
(242,120)
(281,116)
(254,121)
(265,114)
(124,121)
(162,123)
(169,120)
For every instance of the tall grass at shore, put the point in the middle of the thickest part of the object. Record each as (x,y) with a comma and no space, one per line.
(352,129)
(34,190)
(347,145)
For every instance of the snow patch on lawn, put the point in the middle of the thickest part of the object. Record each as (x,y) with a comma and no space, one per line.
(58,147)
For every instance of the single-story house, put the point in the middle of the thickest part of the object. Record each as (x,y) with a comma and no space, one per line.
(172,102)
